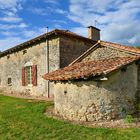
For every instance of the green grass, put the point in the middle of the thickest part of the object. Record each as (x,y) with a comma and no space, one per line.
(22,119)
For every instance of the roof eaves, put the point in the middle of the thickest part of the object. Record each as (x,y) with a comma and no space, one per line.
(25,44)
(74,35)
(121,67)
(54,32)
(119,63)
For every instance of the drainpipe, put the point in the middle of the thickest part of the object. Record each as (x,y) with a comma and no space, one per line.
(47,64)
(138,89)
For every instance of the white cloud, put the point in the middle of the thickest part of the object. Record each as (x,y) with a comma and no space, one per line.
(52,1)
(8,33)
(13,29)
(22,25)
(33,33)
(60,11)
(13,38)
(80,30)
(9,10)
(10,42)
(44,11)
(11,5)
(12,26)
(39,11)
(57,21)
(118,20)
(11,19)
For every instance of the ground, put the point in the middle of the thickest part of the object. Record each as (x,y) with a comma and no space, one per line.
(25,119)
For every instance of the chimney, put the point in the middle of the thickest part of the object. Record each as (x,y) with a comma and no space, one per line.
(93,33)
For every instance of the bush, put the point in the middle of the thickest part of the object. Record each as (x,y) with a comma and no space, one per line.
(139,107)
(129,119)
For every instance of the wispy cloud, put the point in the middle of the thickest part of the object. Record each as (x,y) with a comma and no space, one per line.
(10,42)
(56,2)
(60,11)
(13,29)
(12,26)
(11,5)
(39,11)
(47,11)
(11,19)
(9,10)
(14,38)
(32,33)
(57,21)
(8,33)
(118,20)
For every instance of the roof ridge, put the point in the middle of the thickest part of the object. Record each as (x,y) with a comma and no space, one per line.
(102,41)
(126,48)
(44,35)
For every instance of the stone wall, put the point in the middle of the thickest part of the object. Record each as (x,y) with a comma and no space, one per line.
(62,51)
(36,55)
(138,85)
(71,48)
(106,52)
(98,100)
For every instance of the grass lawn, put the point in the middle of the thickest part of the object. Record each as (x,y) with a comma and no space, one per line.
(24,120)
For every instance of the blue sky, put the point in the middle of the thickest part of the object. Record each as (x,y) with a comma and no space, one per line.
(21,20)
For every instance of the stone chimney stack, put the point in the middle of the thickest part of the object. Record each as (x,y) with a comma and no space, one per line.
(93,33)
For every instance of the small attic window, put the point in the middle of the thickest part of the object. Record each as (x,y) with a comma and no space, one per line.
(8,56)
(65,92)
(124,69)
(24,52)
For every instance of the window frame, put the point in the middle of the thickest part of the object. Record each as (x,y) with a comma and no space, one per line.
(9,81)
(28,75)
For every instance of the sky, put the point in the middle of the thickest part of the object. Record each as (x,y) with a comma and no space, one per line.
(21,20)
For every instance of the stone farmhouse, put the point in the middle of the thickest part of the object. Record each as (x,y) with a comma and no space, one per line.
(101,84)
(22,67)
(89,79)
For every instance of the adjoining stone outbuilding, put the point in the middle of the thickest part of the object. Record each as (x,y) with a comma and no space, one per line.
(103,83)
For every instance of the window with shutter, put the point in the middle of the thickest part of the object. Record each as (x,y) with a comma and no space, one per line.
(29,75)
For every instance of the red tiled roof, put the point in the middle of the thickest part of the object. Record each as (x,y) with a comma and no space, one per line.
(89,69)
(134,51)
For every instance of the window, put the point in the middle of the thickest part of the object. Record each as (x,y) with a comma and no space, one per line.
(24,52)
(8,56)
(29,75)
(9,81)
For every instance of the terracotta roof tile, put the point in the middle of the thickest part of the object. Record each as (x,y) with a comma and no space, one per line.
(90,68)
(132,50)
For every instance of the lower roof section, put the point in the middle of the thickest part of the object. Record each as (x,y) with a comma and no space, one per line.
(89,69)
